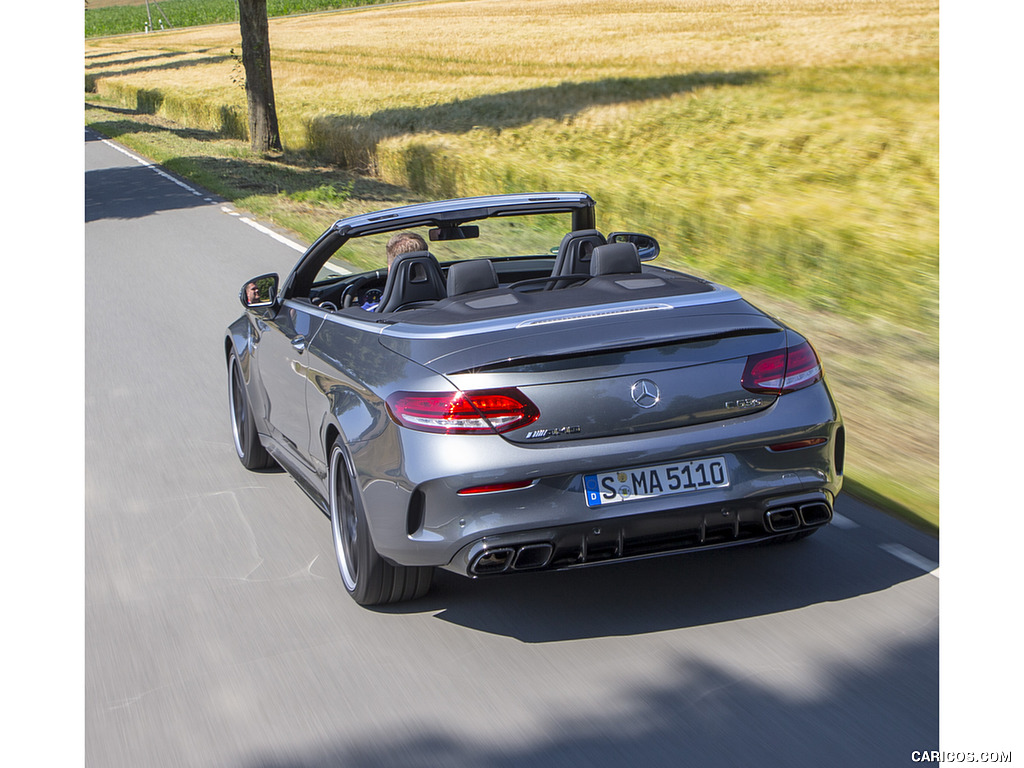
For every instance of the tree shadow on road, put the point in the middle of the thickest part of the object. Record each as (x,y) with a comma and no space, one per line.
(701,713)
(692,590)
(129,193)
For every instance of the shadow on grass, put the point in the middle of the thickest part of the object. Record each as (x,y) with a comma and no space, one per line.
(131,123)
(236,178)
(134,60)
(100,70)
(351,140)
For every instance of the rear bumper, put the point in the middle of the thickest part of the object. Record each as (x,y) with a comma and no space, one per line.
(418,516)
(621,539)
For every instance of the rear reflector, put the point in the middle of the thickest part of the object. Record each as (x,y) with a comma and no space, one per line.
(796,444)
(486,411)
(782,371)
(496,487)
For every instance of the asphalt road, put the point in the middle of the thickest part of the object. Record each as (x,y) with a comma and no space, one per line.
(218,633)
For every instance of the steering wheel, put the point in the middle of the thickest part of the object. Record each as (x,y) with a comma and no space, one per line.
(351,293)
(348,296)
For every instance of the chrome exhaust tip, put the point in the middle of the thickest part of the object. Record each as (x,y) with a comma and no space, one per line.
(533,556)
(782,519)
(817,513)
(492,561)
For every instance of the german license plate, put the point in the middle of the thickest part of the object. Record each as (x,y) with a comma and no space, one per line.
(651,482)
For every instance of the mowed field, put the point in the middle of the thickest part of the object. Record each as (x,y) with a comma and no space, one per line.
(786,147)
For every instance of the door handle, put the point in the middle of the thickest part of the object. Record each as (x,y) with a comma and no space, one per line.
(299,342)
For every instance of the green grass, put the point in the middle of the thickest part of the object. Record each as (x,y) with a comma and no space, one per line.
(882,493)
(127,19)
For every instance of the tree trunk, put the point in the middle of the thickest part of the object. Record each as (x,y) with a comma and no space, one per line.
(259,86)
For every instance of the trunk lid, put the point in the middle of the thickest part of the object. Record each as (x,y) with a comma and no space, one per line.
(607,372)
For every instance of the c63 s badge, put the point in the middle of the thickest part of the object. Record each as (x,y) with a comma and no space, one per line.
(540,434)
(749,402)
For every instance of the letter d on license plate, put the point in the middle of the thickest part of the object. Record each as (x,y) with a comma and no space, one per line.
(650,482)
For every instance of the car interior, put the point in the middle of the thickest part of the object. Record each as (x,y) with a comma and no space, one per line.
(586,269)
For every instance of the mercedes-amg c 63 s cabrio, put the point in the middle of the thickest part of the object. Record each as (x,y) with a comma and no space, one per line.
(522,392)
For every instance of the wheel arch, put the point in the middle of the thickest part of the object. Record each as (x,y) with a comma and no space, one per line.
(350,416)
(237,340)
(331,435)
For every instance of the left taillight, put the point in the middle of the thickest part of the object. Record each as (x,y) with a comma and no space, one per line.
(458,413)
(782,371)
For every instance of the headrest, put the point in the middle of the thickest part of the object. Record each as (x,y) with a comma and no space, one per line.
(404,261)
(469,276)
(615,259)
(413,277)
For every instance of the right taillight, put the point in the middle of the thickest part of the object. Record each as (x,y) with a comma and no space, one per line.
(782,371)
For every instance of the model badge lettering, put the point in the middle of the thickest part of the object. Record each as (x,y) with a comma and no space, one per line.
(750,402)
(537,434)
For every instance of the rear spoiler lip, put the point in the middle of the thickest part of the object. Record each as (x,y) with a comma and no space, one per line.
(473,346)
(624,346)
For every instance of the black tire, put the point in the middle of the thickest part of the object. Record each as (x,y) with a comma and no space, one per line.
(367,577)
(250,450)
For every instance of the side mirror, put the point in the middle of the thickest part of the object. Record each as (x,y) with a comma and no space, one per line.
(259,292)
(646,245)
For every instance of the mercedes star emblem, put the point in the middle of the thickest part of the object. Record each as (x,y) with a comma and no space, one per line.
(645,393)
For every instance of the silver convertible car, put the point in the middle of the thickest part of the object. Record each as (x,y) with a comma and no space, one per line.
(521,392)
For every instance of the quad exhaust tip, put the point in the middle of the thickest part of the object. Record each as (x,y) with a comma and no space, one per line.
(501,559)
(532,556)
(493,561)
(538,555)
(818,513)
(783,519)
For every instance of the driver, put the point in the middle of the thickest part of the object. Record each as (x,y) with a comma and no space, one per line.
(400,242)
(252,293)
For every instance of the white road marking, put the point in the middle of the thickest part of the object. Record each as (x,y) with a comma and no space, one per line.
(258,227)
(271,233)
(911,557)
(156,169)
(841,521)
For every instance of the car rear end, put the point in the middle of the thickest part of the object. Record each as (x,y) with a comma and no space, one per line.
(605,435)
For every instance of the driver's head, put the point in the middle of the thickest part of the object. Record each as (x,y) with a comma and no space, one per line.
(404,242)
